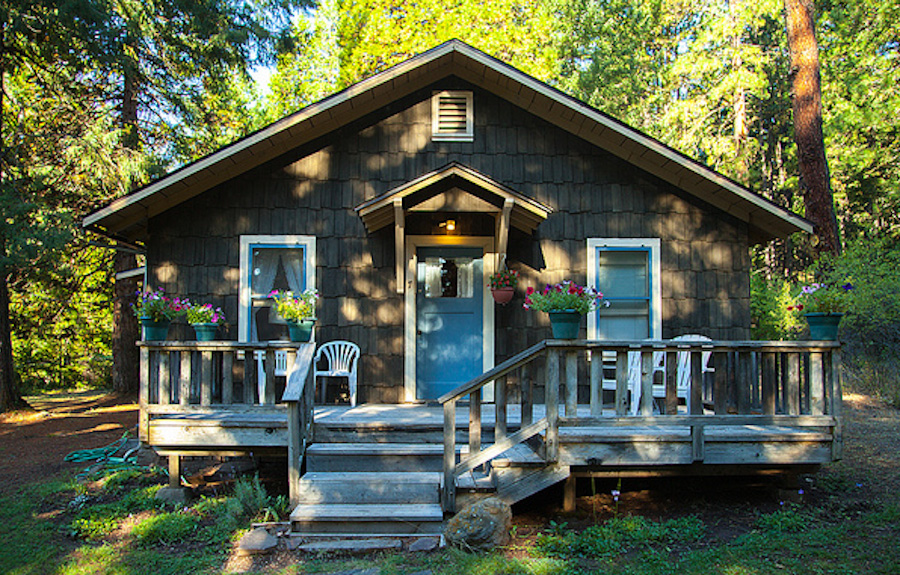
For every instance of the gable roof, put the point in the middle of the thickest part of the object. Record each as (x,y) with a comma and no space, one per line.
(525,213)
(127,216)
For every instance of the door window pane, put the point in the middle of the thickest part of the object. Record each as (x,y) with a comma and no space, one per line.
(450,277)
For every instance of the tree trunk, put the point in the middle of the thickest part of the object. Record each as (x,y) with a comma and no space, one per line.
(126,356)
(9,389)
(815,181)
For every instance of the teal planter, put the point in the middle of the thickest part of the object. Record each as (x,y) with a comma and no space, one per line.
(301,331)
(155,330)
(565,324)
(823,326)
(205,331)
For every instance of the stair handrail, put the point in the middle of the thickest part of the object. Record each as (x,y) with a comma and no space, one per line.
(299,396)
(478,456)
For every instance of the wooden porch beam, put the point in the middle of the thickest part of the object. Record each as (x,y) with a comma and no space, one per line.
(399,243)
(503,232)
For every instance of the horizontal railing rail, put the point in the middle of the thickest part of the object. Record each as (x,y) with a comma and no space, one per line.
(695,384)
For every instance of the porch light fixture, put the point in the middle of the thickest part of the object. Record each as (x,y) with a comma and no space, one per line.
(449,224)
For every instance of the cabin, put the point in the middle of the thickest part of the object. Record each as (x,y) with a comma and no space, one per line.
(396,199)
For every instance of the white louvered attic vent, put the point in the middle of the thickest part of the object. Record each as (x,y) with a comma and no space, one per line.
(452,117)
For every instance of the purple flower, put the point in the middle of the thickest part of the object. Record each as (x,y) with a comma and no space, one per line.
(847,286)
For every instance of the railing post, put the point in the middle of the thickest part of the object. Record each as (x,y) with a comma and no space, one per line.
(184,378)
(165,387)
(449,486)
(720,386)
(295,449)
(474,423)
(267,396)
(205,377)
(571,383)
(622,383)
(672,383)
(696,391)
(551,441)
(249,377)
(646,382)
(144,426)
(527,383)
(816,384)
(596,383)
(228,377)
(769,388)
(837,408)
(792,384)
(743,376)
(500,408)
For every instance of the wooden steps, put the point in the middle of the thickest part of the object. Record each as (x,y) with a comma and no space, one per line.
(374,489)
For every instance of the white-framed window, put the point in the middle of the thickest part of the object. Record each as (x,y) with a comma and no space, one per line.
(628,272)
(286,263)
(452,117)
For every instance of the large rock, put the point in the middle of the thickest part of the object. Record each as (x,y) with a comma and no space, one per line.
(481,526)
(257,542)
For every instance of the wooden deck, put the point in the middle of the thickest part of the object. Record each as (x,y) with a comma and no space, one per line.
(561,409)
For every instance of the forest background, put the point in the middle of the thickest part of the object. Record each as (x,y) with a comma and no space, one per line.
(101,96)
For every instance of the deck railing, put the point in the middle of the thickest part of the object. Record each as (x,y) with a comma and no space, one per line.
(672,382)
(195,377)
(186,377)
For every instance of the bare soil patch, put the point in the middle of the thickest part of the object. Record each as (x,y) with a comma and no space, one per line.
(33,444)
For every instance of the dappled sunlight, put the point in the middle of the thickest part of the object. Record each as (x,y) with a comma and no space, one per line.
(166,272)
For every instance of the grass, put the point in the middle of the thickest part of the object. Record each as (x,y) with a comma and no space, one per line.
(117,527)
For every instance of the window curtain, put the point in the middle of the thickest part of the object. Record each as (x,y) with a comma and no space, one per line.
(263,271)
(292,260)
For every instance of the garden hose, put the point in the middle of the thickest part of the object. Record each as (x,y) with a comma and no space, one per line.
(104,457)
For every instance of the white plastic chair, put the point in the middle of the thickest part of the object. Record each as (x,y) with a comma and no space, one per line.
(683,372)
(280,369)
(634,375)
(341,358)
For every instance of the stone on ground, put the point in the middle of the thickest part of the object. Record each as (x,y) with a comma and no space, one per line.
(352,546)
(176,495)
(257,542)
(424,544)
(481,526)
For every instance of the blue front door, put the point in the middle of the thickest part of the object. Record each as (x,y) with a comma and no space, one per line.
(449,318)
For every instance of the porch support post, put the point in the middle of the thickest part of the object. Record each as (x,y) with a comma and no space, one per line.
(503,232)
(399,243)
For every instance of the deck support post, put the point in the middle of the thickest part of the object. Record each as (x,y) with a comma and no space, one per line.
(174,470)
(569,494)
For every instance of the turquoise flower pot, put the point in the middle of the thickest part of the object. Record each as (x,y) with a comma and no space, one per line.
(823,326)
(301,331)
(155,330)
(205,331)
(565,324)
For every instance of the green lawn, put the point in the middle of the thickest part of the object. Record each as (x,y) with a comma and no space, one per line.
(117,527)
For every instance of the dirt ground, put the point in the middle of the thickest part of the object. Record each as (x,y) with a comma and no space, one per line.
(33,445)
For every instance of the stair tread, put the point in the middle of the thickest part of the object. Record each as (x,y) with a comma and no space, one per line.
(392,477)
(368,512)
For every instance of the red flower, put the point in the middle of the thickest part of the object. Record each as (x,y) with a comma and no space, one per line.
(529,291)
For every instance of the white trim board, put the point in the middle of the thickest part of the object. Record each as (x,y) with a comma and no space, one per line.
(409,321)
